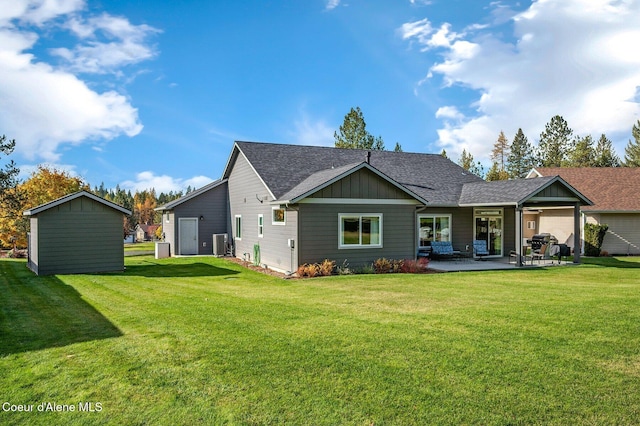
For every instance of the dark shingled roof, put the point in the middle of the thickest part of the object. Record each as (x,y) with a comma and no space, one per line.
(502,191)
(285,167)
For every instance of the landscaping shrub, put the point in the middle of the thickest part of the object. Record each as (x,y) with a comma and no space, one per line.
(382,266)
(593,238)
(411,266)
(326,267)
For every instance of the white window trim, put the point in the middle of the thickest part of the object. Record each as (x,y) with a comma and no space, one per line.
(359,216)
(260,226)
(284,212)
(531,224)
(236,237)
(433,216)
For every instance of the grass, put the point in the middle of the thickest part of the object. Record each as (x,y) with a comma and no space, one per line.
(138,247)
(202,340)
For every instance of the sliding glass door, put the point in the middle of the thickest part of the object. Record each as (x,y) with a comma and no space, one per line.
(488,226)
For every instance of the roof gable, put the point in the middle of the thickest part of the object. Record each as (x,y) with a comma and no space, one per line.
(71,197)
(548,189)
(171,204)
(351,181)
(609,188)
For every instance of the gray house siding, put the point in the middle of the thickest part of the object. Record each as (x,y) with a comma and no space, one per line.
(461,225)
(210,208)
(319,233)
(79,236)
(249,198)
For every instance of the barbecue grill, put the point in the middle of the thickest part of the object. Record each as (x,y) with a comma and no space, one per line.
(538,240)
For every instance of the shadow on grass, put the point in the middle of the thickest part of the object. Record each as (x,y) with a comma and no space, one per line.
(152,269)
(612,262)
(43,312)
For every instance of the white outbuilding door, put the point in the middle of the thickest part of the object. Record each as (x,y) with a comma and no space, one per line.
(188,235)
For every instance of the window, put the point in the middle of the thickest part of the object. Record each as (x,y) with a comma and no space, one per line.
(531,224)
(433,228)
(238,227)
(277,216)
(260,225)
(360,230)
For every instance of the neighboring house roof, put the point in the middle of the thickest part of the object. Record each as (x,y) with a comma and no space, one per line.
(73,196)
(171,204)
(291,171)
(612,189)
(149,229)
(509,192)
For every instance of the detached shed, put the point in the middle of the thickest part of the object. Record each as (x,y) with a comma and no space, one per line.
(78,233)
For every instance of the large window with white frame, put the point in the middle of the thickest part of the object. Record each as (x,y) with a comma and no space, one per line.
(360,230)
(433,227)
(238,229)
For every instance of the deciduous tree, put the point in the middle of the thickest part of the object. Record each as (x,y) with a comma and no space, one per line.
(45,184)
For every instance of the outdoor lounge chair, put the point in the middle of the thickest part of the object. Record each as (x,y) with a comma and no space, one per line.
(443,250)
(480,249)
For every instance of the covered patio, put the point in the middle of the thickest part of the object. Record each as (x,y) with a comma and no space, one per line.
(520,196)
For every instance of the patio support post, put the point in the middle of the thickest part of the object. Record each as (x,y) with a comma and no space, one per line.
(577,229)
(519,253)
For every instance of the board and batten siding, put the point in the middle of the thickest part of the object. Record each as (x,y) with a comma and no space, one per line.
(79,236)
(362,184)
(249,198)
(320,233)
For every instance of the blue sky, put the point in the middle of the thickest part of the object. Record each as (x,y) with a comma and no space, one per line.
(153,93)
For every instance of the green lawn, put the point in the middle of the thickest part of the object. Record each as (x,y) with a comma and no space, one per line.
(203,341)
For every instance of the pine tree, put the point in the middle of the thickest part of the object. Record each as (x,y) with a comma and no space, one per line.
(555,143)
(495,173)
(521,157)
(583,154)
(444,153)
(466,162)
(604,153)
(354,135)
(632,150)
(398,147)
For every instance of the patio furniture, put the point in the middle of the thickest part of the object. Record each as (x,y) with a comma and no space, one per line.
(443,250)
(480,249)
(540,254)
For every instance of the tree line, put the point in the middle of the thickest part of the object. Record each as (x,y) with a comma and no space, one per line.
(557,147)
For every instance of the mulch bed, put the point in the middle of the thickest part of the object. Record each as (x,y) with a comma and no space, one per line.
(250,265)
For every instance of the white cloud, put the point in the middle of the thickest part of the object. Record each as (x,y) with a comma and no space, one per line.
(574,58)
(43,106)
(332,4)
(147,180)
(312,132)
(123,44)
